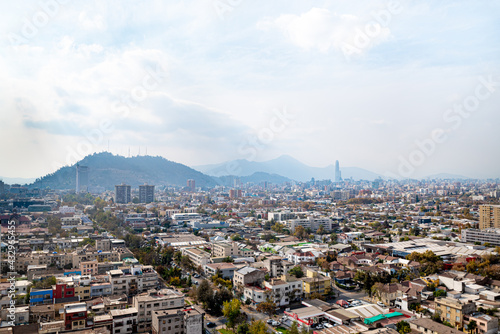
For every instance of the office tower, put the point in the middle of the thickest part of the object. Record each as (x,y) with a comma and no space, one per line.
(191,184)
(146,193)
(338,175)
(122,194)
(236,182)
(82,178)
(489,216)
(2,187)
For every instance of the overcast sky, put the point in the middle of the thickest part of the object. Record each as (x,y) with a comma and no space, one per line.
(205,81)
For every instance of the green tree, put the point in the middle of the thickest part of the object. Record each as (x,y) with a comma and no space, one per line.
(258,327)
(472,326)
(294,329)
(268,307)
(232,311)
(297,272)
(243,328)
(403,327)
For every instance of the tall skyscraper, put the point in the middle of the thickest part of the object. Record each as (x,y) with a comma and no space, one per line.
(191,184)
(82,178)
(122,194)
(146,193)
(2,187)
(489,216)
(338,175)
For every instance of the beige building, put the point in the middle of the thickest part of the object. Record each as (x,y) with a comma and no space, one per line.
(147,303)
(88,268)
(124,321)
(178,321)
(485,324)
(453,311)
(197,256)
(489,216)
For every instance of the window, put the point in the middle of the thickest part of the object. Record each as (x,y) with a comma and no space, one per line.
(457,318)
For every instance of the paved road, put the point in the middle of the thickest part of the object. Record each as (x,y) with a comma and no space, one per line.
(345,295)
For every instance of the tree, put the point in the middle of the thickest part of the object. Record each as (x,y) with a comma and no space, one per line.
(204,293)
(294,329)
(232,311)
(300,232)
(258,327)
(267,307)
(297,272)
(403,327)
(236,237)
(472,326)
(243,328)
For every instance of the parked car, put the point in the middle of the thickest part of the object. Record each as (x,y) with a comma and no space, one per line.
(270,321)
(380,304)
(327,325)
(275,323)
(211,324)
(319,326)
(196,276)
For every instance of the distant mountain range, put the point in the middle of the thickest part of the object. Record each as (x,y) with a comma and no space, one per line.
(107,170)
(446,176)
(286,166)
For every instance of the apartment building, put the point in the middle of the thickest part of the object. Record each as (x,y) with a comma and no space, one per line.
(197,256)
(311,223)
(124,321)
(225,249)
(486,235)
(314,282)
(283,291)
(486,324)
(248,276)
(277,266)
(147,303)
(489,216)
(453,310)
(88,267)
(178,321)
(226,269)
(133,279)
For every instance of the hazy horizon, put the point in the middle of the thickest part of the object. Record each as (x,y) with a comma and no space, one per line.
(395,87)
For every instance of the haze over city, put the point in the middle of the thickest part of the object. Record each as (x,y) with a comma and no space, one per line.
(375,86)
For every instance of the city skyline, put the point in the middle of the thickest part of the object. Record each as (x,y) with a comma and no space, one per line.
(398,88)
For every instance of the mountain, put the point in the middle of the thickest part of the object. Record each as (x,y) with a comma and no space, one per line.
(108,170)
(258,177)
(446,176)
(17,180)
(286,166)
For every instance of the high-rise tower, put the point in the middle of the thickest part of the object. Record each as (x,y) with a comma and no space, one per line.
(82,178)
(338,175)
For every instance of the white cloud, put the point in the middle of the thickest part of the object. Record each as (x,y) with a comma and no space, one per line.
(321,29)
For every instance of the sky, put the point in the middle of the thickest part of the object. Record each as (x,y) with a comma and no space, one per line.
(401,88)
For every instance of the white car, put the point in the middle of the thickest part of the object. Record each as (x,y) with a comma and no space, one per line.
(275,323)
(327,325)
(380,304)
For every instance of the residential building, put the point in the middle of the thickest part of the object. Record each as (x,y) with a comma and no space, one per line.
(146,193)
(147,303)
(453,310)
(123,194)
(486,324)
(88,268)
(311,223)
(75,316)
(178,321)
(314,282)
(197,256)
(486,235)
(248,276)
(489,216)
(124,321)
(226,269)
(82,178)
(225,249)
(429,326)
(276,266)
(191,185)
